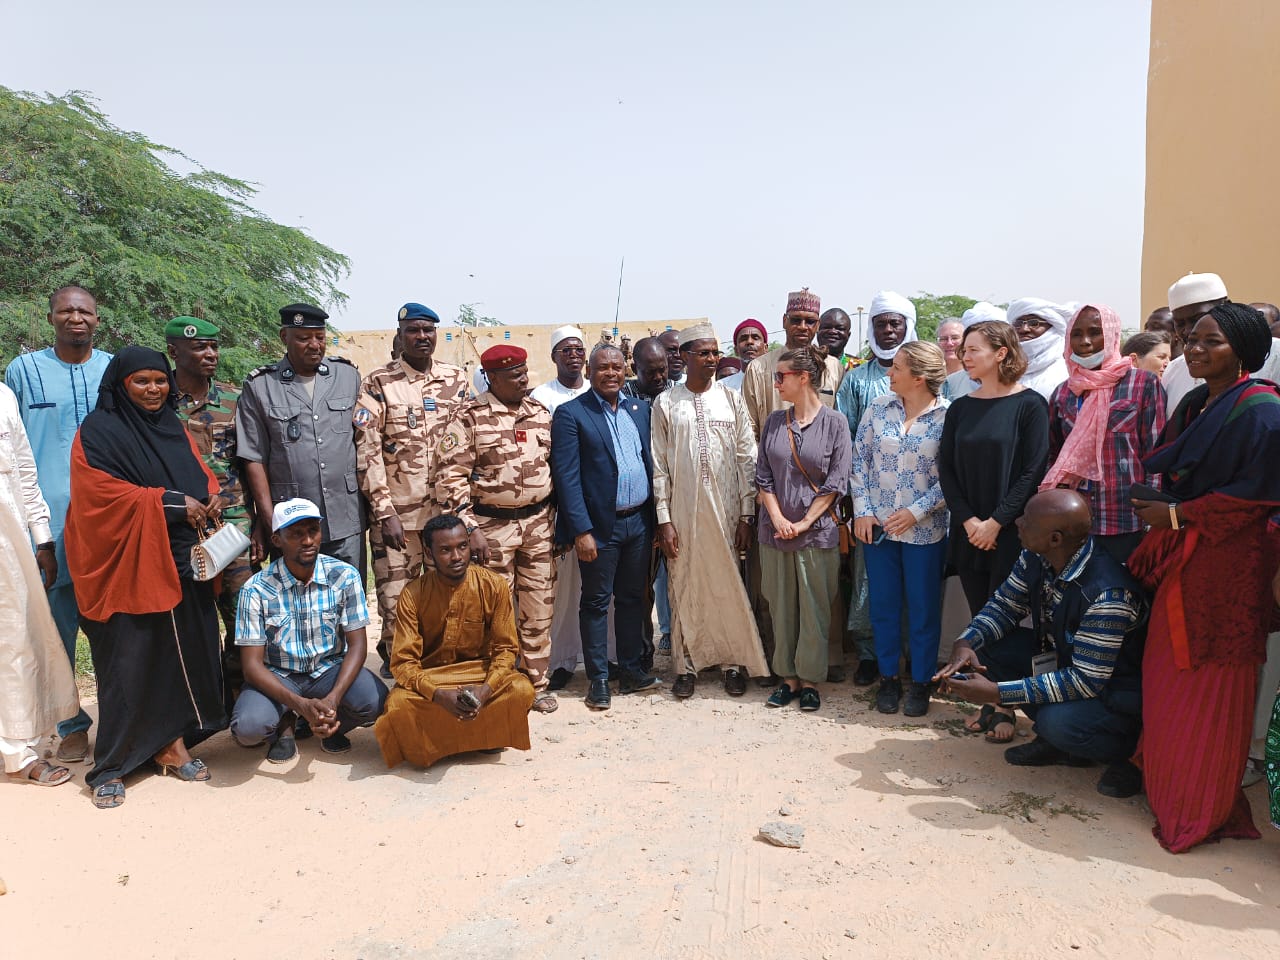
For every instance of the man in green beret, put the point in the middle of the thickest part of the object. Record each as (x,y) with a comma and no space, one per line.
(208,408)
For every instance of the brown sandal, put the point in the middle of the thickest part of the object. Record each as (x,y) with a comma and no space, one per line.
(43,774)
(545,703)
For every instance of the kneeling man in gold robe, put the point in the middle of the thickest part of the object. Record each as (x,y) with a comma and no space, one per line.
(453,657)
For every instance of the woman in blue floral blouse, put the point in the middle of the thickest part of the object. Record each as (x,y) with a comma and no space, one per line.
(900,515)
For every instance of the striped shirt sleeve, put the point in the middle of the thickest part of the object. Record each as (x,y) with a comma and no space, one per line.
(1095,647)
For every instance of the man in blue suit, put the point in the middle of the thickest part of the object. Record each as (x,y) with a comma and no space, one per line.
(602,470)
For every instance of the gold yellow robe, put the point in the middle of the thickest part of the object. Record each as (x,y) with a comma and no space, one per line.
(449,636)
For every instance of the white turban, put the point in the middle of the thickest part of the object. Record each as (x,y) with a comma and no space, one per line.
(886,301)
(1045,350)
(565,333)
(982,311)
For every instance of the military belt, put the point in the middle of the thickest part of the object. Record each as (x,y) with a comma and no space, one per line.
(510,513)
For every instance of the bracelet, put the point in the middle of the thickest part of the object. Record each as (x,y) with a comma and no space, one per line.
(1173,516)
(47,545)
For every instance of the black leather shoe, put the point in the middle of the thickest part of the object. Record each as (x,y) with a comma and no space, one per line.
(916,702)
(1041,753)
(889,696)
(735,682)
(683,687)
(559,678)
(1121,779)
(598,697)
(637,682)
(283,749)
(868,672)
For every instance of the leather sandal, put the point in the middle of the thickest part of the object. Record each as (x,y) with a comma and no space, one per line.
(42,773)
(108,795)
(190,772)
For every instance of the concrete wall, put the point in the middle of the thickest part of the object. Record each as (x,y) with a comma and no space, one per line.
(1213,147)
(462,346)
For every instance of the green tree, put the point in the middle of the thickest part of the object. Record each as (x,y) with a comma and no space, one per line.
(467,317)
(84,202)
(932,310)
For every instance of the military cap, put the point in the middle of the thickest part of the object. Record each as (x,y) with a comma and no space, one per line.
(502,357)
(303,315)
(190,328)
(416,311)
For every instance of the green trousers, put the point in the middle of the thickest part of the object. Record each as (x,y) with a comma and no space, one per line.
(800,587)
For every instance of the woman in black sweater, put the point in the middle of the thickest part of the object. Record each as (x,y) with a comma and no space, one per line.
(995,449)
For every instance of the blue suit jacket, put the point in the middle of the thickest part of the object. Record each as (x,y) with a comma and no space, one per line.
(585,469)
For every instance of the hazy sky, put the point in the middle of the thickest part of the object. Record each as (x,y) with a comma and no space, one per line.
(510,154)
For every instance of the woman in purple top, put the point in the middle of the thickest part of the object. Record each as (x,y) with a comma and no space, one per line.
(802,467)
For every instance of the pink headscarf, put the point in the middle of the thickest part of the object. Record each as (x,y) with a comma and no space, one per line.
(1081,455)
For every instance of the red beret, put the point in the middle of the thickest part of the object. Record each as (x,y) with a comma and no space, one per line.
(502,357)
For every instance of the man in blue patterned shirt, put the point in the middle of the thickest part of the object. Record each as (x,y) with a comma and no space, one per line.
(301,623)
(1077,671)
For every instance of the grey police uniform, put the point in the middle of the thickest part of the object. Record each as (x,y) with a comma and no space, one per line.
(307,445)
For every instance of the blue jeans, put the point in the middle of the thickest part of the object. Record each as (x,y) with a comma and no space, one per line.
(911,572)
(660,598)
(620,571)
(66,617)
(256,716)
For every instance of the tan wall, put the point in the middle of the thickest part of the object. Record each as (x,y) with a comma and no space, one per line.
(368,349)
(1213,147)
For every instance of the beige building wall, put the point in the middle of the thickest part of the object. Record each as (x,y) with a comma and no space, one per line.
(1213,147)
(462,346)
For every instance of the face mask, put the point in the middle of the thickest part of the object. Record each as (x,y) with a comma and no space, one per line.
(1091,362)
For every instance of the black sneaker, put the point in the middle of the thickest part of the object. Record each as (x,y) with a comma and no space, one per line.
(809,700)
(284,749)
(917,700)
(889,695)
(1121,779)
(636,682)
(868,671)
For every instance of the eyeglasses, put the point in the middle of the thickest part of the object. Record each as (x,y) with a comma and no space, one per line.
(704,354)
(780,376)
(572,351)
(1029,323)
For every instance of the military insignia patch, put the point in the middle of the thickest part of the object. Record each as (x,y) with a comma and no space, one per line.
(449,442)
(189,330)
(362,417)
(404,312)
(297,318)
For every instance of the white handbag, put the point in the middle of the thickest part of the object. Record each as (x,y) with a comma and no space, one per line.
(216,550)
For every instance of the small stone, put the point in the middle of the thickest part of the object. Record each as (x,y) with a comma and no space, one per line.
(851,935)
(785,810)
(783,834)
(519,823)
(551,919)
(554,738)
(571,860)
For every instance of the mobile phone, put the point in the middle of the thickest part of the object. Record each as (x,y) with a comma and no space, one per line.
(468,700)
(1141,491)
(960,676)
(877,534)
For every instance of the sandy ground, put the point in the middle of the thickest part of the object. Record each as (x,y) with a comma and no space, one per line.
(631,833)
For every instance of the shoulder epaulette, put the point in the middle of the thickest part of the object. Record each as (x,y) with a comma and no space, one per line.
(342,360)
(259,371)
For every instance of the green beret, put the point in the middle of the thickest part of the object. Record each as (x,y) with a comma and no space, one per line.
(190,328)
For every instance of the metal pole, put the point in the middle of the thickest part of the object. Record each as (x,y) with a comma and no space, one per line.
(617,309)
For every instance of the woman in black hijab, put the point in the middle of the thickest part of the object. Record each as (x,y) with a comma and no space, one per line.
(139,493)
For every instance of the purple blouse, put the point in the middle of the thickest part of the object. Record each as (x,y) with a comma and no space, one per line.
(826,452)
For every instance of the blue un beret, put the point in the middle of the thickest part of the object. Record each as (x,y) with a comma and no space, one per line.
(416,311)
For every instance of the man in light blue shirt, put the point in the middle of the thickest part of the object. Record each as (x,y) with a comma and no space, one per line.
(56,388)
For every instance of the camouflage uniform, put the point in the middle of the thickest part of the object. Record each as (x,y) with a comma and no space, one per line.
(212,425)
(399,419)
(493,470)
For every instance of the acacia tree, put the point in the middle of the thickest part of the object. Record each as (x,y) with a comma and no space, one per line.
(932,310)
(84,202)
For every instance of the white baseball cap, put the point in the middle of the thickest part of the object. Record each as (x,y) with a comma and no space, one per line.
(291,511)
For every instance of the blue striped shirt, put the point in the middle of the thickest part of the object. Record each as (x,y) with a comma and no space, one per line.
(1094,647)
(299,623)
(633,478)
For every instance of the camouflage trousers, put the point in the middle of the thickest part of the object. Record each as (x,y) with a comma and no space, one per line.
(393,570)
(521,550)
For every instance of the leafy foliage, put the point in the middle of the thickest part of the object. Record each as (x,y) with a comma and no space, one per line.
(84,202)
(931,310)
(467,317)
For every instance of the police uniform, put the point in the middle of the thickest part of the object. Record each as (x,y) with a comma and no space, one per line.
(493,469)
(306,441)
(399,419)
(211,423)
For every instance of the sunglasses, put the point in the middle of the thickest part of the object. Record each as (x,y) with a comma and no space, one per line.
(780,376)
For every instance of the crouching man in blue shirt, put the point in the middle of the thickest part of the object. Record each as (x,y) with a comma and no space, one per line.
(301,623)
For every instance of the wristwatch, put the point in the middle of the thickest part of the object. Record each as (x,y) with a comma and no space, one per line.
(748,519)
(47,545)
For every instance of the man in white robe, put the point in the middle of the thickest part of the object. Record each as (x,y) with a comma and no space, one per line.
(37,688)
(704,491)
